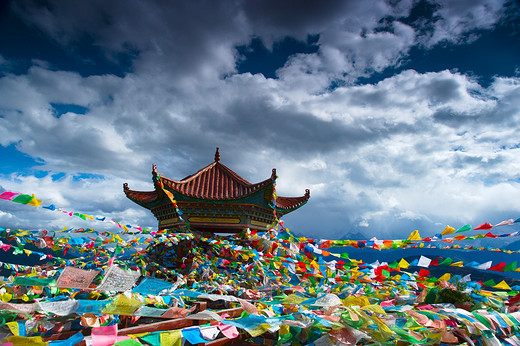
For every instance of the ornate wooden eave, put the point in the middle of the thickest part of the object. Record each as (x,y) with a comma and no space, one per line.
(215,199)
(287,204)
(143,198)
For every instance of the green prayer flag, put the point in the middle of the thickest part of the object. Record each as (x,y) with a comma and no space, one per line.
(153,339)
(24,199)
(490,282)
(446,262)
(464,228)
(32,281)
(510,267)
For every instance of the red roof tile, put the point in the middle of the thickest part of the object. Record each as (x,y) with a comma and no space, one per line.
(216,182)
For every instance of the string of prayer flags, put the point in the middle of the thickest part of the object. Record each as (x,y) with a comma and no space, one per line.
(283,284)
(20,198)
(32,200)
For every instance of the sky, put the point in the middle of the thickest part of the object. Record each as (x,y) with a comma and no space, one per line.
(397,115)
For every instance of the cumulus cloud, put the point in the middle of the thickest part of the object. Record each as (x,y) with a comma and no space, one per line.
(412,150)
(455,21)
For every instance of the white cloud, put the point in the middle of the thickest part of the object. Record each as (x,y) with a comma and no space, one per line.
(432,148)
(459,18)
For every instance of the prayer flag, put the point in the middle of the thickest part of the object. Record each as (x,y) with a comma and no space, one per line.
(424,262)
(505,222)
(502,285)
(448,230)
(464,228)
(484,226)
(415,235)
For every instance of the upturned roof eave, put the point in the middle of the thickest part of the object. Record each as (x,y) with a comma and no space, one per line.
(288,204)
(147,199)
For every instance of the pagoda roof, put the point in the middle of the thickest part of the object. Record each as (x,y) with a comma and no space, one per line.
(215,182)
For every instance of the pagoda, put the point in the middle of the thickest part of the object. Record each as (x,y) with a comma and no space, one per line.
(215,199)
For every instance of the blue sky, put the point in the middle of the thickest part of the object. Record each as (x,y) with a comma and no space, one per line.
(397,115)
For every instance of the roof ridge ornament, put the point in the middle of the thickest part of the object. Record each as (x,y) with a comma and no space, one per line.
(154,170)
(217,155)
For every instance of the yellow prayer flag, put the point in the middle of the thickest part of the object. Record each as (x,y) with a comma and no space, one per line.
(171,338)
(26,341)
(14,327)
(415,235)
(122,305)
(258,330)
(293,299)
(502,285)
(356,301)
(445,277)
(448,230)
(403,263)
(35,202)
(5,297)
(457,264)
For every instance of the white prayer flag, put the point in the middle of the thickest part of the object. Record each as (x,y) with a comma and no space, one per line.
(424,262)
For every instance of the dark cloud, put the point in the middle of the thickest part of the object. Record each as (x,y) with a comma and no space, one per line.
(377,157)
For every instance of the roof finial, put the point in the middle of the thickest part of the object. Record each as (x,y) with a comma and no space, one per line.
(217,156)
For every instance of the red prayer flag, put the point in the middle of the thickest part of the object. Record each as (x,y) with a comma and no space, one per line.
(498,267)
(484,226)
(424,272)
(490,235)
